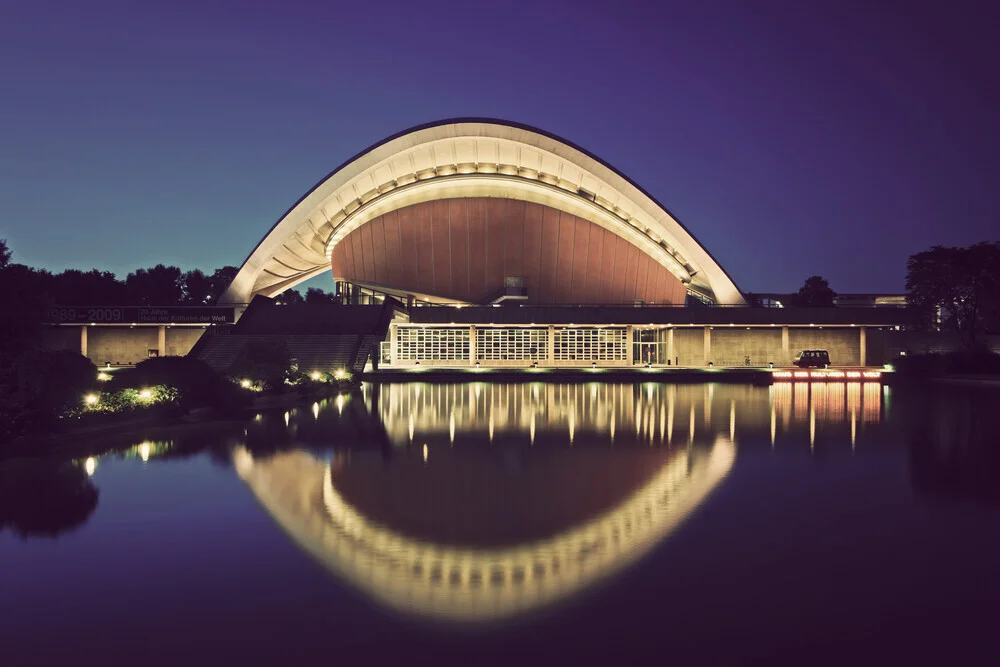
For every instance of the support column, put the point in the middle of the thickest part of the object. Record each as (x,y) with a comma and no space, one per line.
(670,346)
(786,355)
(83,340)
(864,346)
(161,341)
(472,345)
(550,358)
(708,345)
(393,345)
(630,345)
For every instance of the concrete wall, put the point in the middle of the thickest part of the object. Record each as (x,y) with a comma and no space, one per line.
(122,345)
(844,345)
(730,347)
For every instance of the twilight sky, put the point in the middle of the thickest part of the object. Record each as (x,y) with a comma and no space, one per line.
(791,138)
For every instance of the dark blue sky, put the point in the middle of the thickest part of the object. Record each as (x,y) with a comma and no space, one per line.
(792,138)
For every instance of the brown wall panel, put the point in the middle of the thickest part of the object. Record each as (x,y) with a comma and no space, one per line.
(393,256)
(531,266)
(659,284)
(367,256)
(441,243)
(359,263)
(608,267)
(514,240)
(564,262)
(408,245)
(496,232)
(581,247)
(550,248)
(458,216)
(477,249)
(595,267)
(424,246)
(378,250)
(642,275)
(464,248)
(621,268)
(631,270)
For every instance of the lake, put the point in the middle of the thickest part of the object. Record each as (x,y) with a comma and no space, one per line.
(522,523)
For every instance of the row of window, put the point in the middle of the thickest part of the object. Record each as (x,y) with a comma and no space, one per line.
(495,344)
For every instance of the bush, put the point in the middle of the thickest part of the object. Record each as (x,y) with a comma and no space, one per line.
(267,365)
(46,384)
(195,383)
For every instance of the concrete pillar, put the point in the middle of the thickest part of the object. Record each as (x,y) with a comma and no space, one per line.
(708,345)
(785,353)
(550,358)
(83,340)
(161,341)
(864,346)
(472,345)
(393,345)
(670,345)
(629,345)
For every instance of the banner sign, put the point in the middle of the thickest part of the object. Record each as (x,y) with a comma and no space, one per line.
(141,315)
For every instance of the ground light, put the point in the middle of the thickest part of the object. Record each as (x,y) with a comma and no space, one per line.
(315,375)
(90,465)
(145,394)
(103,377)
(91,399)
(245,383)
(340,374)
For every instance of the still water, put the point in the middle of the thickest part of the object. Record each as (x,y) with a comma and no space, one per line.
(522,524)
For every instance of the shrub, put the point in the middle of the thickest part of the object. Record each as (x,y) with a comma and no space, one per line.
(47,383)
(267,364)
(195,383)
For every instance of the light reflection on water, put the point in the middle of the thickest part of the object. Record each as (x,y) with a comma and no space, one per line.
(584,508)
(621,413)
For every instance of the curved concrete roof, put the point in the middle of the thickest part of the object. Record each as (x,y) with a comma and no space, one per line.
(471,158)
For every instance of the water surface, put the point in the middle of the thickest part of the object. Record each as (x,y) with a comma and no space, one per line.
(533,523)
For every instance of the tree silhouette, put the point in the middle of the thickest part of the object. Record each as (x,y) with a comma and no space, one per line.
(42,498)
(815,293)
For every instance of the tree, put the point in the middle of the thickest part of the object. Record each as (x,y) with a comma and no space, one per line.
(196,288)
(956,289)
(220,280)
(44,498)
(316,295)
(158,286)
(4,254)
(289,297)
(91,288)
(815,293)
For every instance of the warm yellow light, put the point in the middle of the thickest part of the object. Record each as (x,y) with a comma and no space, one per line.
(90,465)
(145,394)
(340,374)
(103,377)
(286,419)
(245,383)
(425,452)
(315,410)
(90,399)
(315,375)
(144,451)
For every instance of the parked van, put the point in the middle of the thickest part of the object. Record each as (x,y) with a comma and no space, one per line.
(812,359)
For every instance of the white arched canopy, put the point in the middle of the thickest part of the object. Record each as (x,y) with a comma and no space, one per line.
(471,158)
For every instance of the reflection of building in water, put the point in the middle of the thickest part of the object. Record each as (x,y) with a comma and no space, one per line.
(444,576)
(650,413)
